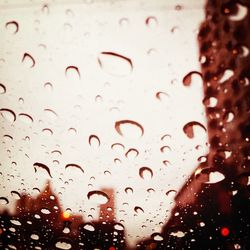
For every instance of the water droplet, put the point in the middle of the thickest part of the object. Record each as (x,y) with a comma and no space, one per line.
(8,137)
(117,146)
(89,227)
(12,26)
(193,77)
(166,163)
(150,190)
(130,127)
(51,114)
(132,153)
(43,166)
(160,95)
(47,131)
(28,60)
(178,234)
(94,141)
(72,131)
(25,118)
(98,197)
(8,114)
(129,190)
(48,86)
(69,13)
(16,222)
(15,195)
(146,173)
(45,211)
(72,71)
(151,22)
(3,201)
(228,73)
(165,149)
(115,64)
(72,165)
(2,89)
(171,192)
(229,116)
(215,177)
(240,14)
(34,237)
(189,128)
(157,237)
(45,9)
(63,245)
(118,227)
(166,137)
(138,210)
(124,22)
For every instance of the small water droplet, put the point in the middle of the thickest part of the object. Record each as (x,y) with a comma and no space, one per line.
(161,95)
(72,131)
(138,209)
(118,227)
(157,237)
(98,197)
(47,131)
(94,141)
(72,71)
(165,149)
(129,190)
(117,146)
(51,114)
(124,22)
(2,89)
(193,77)
(34,237)
(215,177)
(228,73)
(171,192)
(12,26)
(28,60)
(48,86)
(129,127)
(189,128)
(132,153)
(146,173)
(151,22)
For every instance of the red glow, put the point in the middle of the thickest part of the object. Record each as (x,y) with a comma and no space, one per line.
(112,248)
(224,231)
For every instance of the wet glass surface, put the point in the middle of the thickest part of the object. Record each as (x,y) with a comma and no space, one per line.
(124,124)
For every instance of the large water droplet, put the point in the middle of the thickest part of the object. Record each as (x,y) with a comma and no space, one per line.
(47,131)
(25,118)
(28,60)
(240,14)
(43,166)
(2,89)
(98,197)
(12,26)
(189,128)
(3,201)
(228,73)
(63,245)
(8,114)
(72,165)
(118,227)
(89,227)
(15,195)
(51,114)
(215,177)
(129,190)
(115,64)
(129,127)
(146,173)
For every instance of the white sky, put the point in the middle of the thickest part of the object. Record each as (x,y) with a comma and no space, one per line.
(162,51)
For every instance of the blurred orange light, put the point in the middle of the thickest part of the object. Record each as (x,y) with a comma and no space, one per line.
(66,215)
